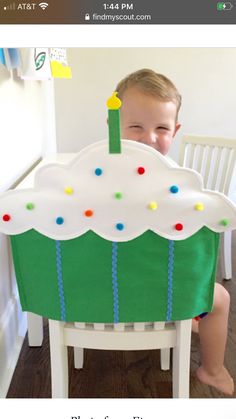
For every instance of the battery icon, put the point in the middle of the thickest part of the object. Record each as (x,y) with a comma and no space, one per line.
(221,6)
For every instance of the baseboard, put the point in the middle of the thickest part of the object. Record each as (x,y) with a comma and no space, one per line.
(13,327)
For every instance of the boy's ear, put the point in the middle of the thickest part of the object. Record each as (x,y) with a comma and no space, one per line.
(177,127)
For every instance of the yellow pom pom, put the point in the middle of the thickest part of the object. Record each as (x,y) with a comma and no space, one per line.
(199,206)
(152,205)
(114,102)
(69,190)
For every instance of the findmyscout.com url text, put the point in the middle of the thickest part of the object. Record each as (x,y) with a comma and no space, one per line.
(114,18)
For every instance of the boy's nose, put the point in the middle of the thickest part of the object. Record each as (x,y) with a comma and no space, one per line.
(149,138)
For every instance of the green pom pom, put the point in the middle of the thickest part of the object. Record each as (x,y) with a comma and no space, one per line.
(30,206)
(224,222)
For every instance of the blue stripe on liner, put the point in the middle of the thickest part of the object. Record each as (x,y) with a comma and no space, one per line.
(115,282)
(60,280)
(170,280)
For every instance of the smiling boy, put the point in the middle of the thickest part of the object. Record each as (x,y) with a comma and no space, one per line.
(149,114)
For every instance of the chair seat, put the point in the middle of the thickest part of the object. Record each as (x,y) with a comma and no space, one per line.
(111,339)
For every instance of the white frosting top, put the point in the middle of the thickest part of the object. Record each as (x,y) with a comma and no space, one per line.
(118,196)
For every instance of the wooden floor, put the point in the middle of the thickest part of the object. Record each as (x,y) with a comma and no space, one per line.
(118,374)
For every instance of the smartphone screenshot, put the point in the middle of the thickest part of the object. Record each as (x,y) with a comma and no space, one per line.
(117,209)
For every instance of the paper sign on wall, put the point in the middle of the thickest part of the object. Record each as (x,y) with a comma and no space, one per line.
(35,64)
(12,58)
(59,64)
(2,57)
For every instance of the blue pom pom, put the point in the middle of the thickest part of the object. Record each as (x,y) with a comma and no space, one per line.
(59,220)
(174,189)
(98,171)
(120,226)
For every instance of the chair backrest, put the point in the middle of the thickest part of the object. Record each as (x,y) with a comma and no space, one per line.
(213,157)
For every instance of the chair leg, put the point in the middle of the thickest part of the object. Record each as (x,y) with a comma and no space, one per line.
(59,360)
(35,329)
(78,358)
(165,359)
(181,359)
(226,255)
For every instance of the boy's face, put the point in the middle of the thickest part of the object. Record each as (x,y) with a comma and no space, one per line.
(148,120)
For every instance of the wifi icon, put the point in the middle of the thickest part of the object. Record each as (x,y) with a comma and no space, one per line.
(43,5)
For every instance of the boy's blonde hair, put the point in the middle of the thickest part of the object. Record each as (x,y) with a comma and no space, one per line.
(151,83)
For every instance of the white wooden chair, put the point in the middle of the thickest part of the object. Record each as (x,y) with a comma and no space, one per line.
(215,159)
(121,336)
(198,153)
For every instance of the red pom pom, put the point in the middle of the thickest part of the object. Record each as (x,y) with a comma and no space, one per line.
(179,227)
(88,213)
(141,170)
(6,217)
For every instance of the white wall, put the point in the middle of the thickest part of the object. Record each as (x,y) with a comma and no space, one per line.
(27,133)
(23,121)
(206,78)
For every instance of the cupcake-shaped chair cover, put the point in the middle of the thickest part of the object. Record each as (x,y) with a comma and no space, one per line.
(121,234)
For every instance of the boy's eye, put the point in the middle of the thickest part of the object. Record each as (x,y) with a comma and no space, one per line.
(165,128)
(135,126)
